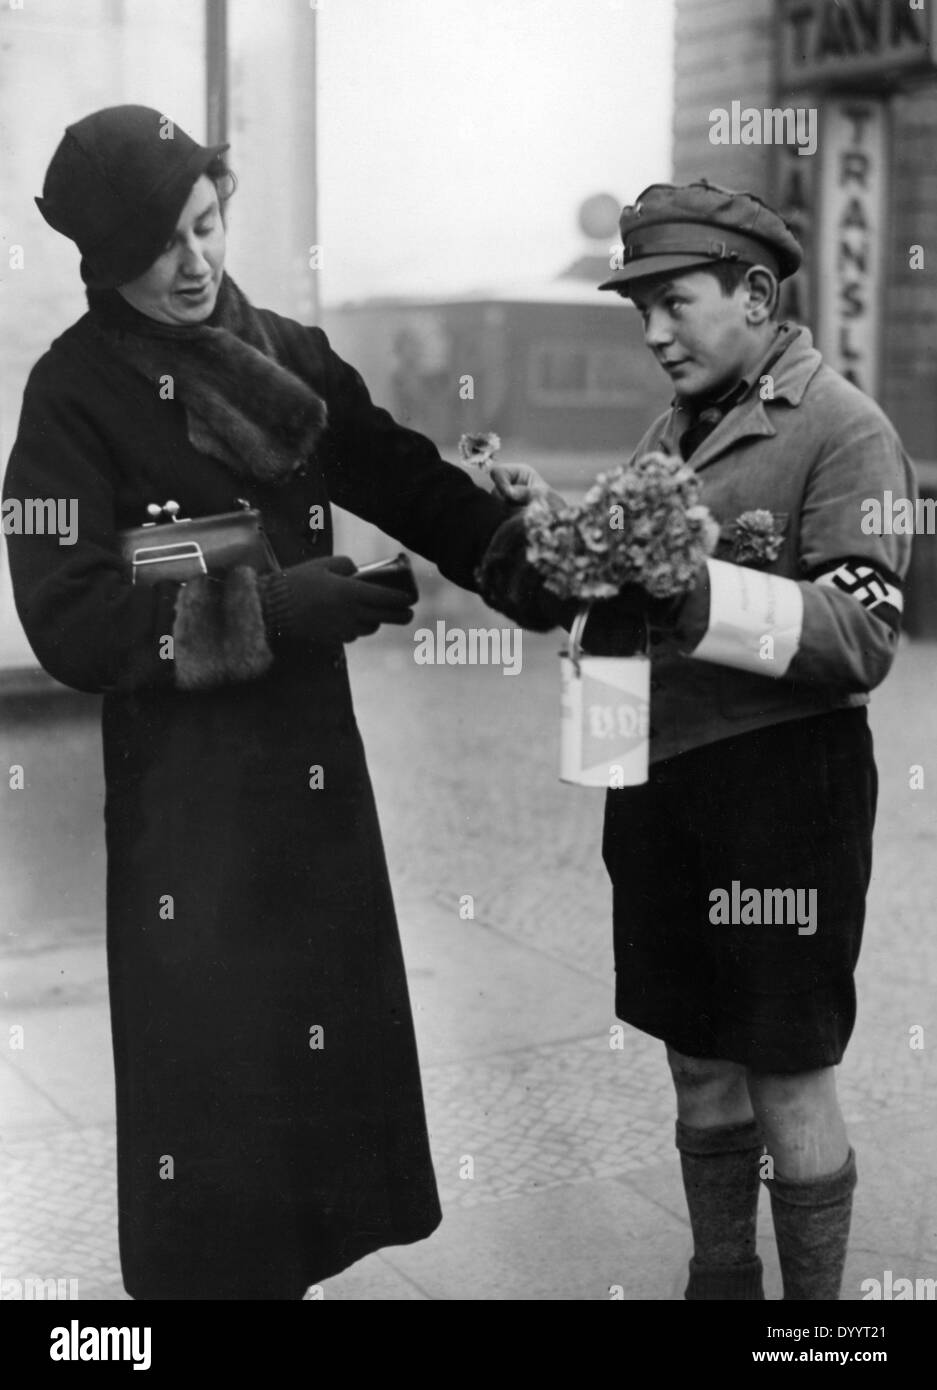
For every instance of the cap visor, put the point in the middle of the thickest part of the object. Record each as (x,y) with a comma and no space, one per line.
(647,266)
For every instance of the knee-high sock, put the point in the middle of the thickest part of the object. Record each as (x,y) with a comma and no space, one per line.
(721,1181)
(811,1223)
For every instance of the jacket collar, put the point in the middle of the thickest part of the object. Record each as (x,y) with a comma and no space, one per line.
(792,372)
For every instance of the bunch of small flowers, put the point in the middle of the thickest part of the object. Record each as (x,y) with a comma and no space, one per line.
(479,449)
(640,524)
(757,538)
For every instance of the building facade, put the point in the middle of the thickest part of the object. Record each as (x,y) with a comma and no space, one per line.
(857,178)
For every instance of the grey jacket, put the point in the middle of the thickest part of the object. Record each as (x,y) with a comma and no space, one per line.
(810,455)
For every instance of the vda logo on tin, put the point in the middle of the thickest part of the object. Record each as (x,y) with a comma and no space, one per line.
(612,716)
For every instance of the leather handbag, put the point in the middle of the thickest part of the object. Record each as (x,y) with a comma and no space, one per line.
(184,548)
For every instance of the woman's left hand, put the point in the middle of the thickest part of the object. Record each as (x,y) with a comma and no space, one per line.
(509,583)
(519,483)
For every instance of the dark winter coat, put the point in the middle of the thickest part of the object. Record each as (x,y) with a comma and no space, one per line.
(270,1118)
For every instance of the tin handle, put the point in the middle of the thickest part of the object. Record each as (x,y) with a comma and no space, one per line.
(576,632)
(578,629)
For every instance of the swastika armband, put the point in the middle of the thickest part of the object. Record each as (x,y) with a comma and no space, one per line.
(755,620)
(867,585)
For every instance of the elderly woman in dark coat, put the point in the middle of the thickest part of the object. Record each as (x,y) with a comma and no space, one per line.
(269,1113)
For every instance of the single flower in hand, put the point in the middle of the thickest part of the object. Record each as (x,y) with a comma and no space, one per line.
(479,449)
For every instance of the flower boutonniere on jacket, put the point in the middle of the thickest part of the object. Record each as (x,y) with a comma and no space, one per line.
(758,537)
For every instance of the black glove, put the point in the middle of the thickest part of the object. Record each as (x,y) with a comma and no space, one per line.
(321,601)
(618,626)
(509,583)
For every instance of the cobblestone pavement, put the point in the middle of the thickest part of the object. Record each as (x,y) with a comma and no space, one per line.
(571,1183)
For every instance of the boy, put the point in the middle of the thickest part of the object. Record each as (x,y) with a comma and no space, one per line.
(740,869)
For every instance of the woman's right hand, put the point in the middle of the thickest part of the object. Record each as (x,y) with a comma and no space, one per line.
(519,484)
(326,603)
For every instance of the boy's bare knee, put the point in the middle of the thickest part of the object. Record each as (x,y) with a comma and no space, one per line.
(797,1091)
(697,1074)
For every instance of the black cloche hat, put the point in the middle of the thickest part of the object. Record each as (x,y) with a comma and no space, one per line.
(116,185)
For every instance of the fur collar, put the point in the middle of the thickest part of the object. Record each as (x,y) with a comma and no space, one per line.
(242,406)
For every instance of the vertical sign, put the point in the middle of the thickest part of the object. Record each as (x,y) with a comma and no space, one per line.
(795,196)
(853,152)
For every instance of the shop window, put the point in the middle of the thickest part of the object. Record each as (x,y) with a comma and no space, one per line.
(581,374)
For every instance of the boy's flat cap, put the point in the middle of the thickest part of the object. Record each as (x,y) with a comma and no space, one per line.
(674,227)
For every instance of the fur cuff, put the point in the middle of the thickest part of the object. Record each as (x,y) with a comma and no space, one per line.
(218,635)
(508,582)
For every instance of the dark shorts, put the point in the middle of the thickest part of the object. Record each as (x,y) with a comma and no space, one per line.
(787,807)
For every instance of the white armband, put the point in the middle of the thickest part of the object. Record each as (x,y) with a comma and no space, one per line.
(755,620)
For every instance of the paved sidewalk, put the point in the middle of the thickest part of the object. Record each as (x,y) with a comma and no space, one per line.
(575,1184)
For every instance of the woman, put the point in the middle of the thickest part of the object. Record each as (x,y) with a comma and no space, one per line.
(270,1120)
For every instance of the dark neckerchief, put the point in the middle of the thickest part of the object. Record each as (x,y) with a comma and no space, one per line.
(242,406)
(704,414)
